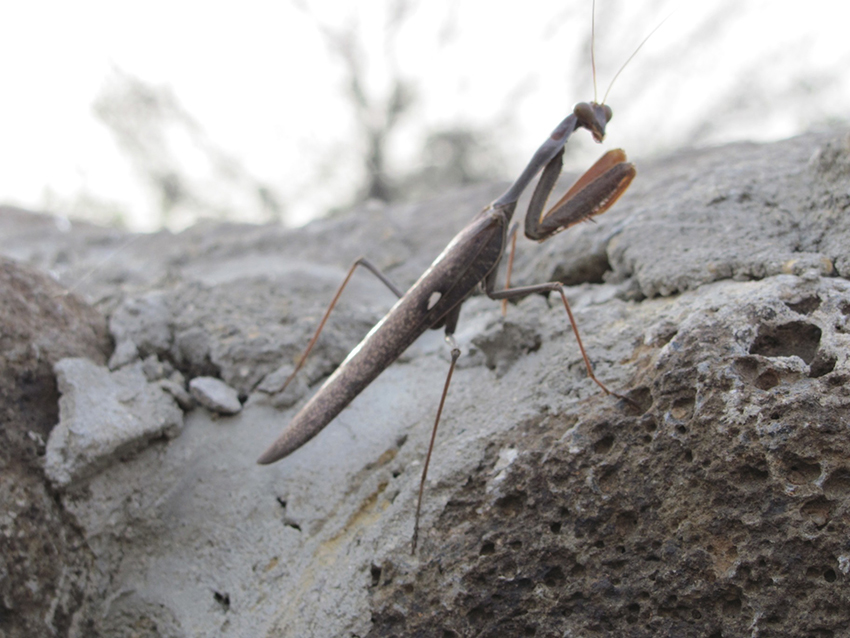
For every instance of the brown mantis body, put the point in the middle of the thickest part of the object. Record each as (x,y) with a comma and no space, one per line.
(470,259)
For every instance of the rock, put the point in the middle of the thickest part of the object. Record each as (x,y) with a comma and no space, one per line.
(103,417)
(666,521)
(215,394)
(45,562)
(714,296)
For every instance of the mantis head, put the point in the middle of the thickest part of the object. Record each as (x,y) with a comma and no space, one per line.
(593,117)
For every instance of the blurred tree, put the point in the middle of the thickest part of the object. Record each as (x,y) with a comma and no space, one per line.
(377,113)
(189,177)
(453,157)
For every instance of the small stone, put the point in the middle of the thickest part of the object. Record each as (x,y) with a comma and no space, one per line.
(214,394)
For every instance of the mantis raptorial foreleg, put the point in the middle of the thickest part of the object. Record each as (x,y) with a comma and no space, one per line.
(592,194)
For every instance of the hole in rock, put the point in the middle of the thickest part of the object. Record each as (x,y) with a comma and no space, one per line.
(767,380)
(732,606)
(750,476)
(479,614)
(837,380)
(511,504)
(222,599)
(375,573)
(683,408)
(805,306)
(554,577)
(801,472)
(747,367)
(604,445)
(821,366)
(838,483)
(789,339)
(642,397)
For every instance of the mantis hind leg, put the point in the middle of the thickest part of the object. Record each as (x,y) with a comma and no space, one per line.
(359,262)
(451,324)
(558,287)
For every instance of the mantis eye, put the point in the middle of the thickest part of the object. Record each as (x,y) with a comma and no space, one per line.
(608,112)
(583,112)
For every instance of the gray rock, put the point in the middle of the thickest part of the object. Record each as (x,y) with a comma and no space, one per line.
(103,417)
(215,394)
(45,561)
(607,516)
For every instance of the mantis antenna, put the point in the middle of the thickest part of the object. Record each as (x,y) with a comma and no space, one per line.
(617,74)
(593,49)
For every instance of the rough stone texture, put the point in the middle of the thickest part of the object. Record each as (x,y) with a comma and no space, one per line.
(103,417)
(714,295)
(719,509)
(44,559)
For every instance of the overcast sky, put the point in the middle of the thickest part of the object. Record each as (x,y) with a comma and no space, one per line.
(260,81)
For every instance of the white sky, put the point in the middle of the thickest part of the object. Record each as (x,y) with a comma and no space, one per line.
(259,79)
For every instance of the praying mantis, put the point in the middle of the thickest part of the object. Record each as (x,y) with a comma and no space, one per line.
(470,259)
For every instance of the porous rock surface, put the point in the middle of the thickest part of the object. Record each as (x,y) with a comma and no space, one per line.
(712,502)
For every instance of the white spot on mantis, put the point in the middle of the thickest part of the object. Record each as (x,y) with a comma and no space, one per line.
(433,299)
